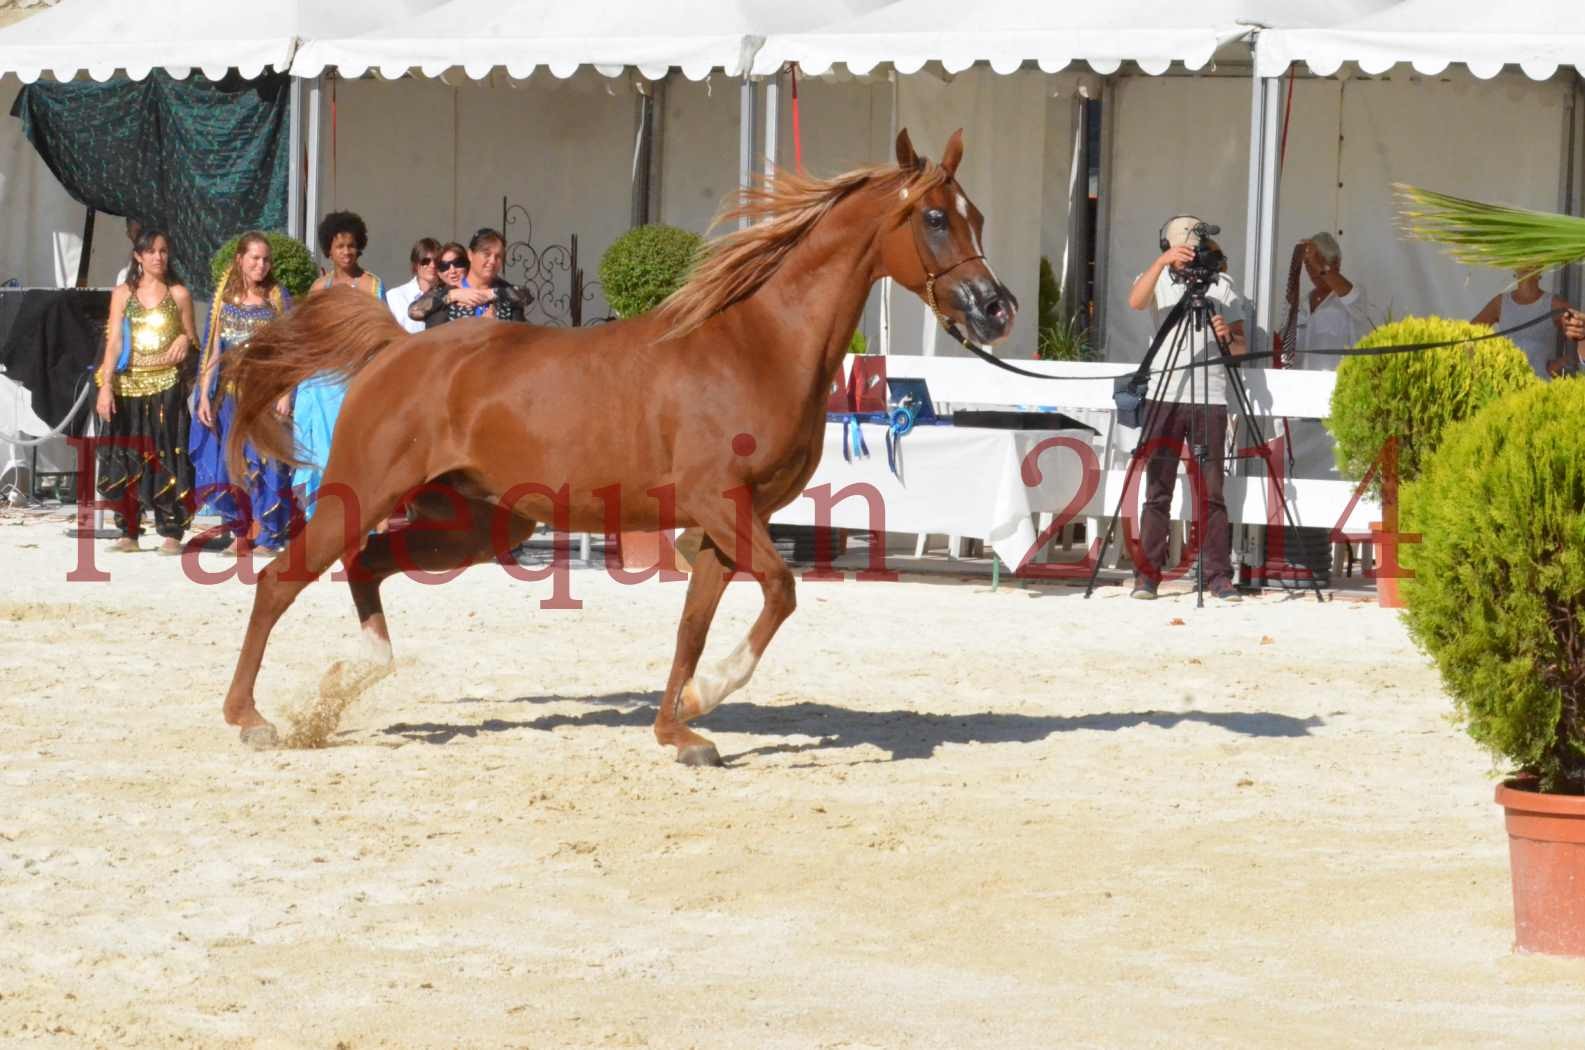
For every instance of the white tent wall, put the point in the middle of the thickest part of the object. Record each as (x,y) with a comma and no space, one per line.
(40,225)
(418,157)
(1004,122)
(699,150)
(1182,146)
(845,124)
(397,152)
(1056,183)
(1495,140)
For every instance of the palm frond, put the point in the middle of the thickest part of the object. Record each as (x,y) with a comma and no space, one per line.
(1493,235)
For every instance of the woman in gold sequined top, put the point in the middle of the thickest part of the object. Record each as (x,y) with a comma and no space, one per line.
(142,400)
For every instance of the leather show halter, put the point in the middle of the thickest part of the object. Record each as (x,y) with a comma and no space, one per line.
(927,257)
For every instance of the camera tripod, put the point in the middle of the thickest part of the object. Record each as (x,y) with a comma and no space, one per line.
(1194,316)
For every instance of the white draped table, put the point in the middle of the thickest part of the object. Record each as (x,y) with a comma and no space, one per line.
(961,481)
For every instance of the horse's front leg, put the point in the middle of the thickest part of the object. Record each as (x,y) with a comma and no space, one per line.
(702,692)
(705,586)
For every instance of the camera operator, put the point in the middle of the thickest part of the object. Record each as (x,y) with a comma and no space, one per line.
(1182,417)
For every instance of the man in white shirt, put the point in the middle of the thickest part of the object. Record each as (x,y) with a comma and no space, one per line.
(1332,316)
(1192,409)
(425,253)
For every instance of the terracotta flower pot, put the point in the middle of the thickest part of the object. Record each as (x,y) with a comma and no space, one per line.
(1546,856)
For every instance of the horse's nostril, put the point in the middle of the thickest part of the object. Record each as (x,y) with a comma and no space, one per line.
(996,309)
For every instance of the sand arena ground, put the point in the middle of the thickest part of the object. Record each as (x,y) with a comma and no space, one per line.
(952,818)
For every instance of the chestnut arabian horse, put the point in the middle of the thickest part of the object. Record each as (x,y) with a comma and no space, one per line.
(717,399)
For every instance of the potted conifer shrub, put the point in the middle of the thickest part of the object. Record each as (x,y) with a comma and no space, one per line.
(1498,601)
(640,269)
(1413,398)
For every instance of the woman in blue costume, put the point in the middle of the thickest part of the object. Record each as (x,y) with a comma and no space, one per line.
(342,238)
(247,299)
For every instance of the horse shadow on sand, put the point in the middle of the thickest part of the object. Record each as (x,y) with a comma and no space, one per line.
(902,734)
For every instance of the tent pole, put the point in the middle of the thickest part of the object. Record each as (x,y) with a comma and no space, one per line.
(638,189)
(1573,175)
(1261,227)
(294,165)
(745,138)
(1071,278)
(772,124)
(1253,197)
(1103,214)
(1265,304)
(311,194)
(885,334)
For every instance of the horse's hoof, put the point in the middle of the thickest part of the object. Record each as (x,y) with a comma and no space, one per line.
(699,755)
(261,738)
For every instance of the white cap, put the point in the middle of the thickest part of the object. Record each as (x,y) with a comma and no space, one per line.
(1179,231)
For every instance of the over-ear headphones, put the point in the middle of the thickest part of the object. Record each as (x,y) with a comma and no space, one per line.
(1161,235)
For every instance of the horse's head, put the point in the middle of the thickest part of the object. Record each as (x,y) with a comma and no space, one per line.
(934,249)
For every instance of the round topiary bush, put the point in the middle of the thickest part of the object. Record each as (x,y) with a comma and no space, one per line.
(1498,593)
(645,265)
(1415,396)
(290,261)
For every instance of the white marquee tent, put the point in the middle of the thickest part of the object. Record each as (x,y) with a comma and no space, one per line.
(697,36)
(1051,33)
(1539,37)
(100,36)
(1172,142)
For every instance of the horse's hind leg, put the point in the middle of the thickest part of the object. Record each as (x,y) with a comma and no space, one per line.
(691,695)
(329,534)
(444,536)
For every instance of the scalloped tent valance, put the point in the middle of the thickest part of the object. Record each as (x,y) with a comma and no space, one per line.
(698,36)
(98,37)
(1538,36)
(1051,33)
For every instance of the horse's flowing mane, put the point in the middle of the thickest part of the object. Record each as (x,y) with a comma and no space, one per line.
(780,211)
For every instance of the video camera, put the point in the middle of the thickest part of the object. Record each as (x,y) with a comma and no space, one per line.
(1208,259)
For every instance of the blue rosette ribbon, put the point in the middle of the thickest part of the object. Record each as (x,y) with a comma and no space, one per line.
(853,439)
(899,422)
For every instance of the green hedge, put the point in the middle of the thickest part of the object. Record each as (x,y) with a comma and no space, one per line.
(291,262)
(1498,595)
(1416,396)
(645,265)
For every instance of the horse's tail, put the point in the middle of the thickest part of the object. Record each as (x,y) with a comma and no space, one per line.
(336,331)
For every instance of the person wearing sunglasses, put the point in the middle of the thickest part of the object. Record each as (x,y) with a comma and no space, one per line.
(472,285)
(424,257)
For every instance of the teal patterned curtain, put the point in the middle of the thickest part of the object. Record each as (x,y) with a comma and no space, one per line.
(200,160)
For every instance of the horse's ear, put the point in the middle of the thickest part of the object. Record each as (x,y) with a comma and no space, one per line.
(953,153)
(907,159)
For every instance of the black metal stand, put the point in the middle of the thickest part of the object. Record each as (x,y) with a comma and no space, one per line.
(1196,318)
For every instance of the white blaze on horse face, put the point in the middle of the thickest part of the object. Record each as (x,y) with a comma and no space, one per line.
(726,678)
(903,193)
(963,206)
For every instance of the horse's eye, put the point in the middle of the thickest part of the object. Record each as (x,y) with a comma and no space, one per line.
(936,219)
